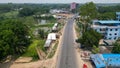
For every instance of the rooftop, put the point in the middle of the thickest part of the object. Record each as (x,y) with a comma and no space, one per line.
(118,13)
(101,60)
(109,21)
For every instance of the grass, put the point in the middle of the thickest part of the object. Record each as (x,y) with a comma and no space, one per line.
(53,50)
(31,51)
(46,25)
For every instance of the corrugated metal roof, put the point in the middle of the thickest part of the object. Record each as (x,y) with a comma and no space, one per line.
(47,43)
(52,36)
(109,21)
(102,60)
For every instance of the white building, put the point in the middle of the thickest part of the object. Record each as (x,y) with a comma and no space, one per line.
(110,29)
(51,37)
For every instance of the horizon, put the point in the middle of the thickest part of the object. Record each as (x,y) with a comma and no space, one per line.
(59,1)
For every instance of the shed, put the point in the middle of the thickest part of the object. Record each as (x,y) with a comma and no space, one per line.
(51,36)
(47,43)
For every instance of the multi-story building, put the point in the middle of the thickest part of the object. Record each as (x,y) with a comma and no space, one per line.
(73,6)
(110,29)
(118,15)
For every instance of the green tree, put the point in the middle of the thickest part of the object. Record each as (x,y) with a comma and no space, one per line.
(88,11)
(26,12)
(90,38)
(13,38)
(116,48)
(107,16)
(42,33)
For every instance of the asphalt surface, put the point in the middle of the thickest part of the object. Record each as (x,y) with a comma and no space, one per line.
(67,57)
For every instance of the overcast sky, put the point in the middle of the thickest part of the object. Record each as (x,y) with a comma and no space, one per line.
(58,1)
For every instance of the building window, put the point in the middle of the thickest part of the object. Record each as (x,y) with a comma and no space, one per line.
(116,29)
(114,38)
(110,34)
(109,38)
(100,29)
(115,33)
(110,29)
(106,29)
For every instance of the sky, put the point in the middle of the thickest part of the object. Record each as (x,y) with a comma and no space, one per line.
(58,1)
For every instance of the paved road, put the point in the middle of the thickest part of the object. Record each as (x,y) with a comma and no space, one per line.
(67,57)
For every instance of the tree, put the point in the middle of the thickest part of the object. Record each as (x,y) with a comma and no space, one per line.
(42,33)
(107,16)
(88,11)
(90,38)
(26,12)
(13,37)
(116,48)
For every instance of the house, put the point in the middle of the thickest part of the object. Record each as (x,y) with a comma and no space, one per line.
(51,37)
(118,15)
(110,29)
(54,28)
(106,60)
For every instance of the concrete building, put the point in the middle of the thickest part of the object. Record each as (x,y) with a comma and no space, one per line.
(73,6)
(110,29)
(118,15)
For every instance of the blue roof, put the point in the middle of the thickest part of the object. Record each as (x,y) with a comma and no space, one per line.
(101,59)
(118,13)
(109,21)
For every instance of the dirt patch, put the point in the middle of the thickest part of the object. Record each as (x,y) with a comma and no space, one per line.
(23,60)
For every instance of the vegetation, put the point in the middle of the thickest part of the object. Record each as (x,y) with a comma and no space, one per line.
(31,51)
(88,11)
(95,49)
(90,38)
(42,33)
(26,12)
(107,16)
(116,48)
(13,38)
(53,51)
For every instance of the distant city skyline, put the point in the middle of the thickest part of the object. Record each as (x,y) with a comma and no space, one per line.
(59,1)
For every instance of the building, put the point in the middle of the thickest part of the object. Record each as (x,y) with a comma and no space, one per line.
(106,60)
(54,28)
(73,6)
(51,37)
(118,15)
(110,29)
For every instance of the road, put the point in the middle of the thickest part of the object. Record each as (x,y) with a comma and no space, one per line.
(67,56)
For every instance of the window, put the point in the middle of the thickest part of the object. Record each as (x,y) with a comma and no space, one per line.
(100,29)
(110,29)
(116,29)
(115,33)
(114,38)
(109,38)
(110,34)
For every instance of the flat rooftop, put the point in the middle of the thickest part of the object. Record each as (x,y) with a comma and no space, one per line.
(118,13)
(109,21)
